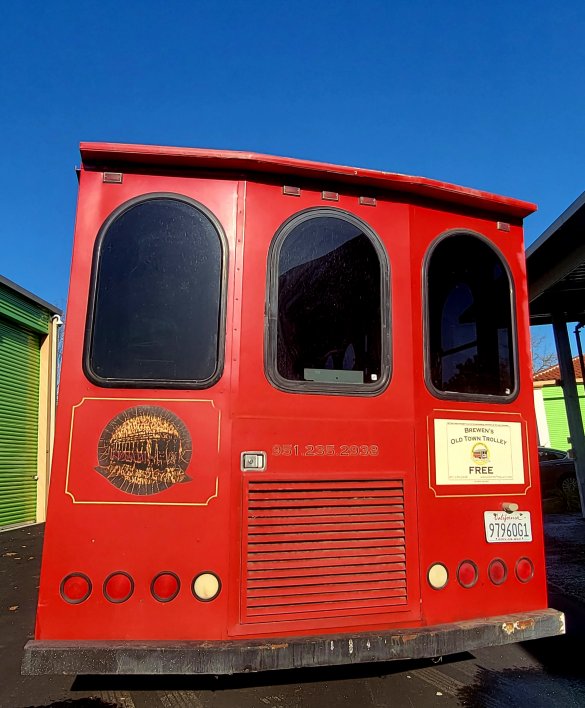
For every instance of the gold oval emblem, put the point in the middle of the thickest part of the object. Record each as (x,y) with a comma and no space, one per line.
(144,450)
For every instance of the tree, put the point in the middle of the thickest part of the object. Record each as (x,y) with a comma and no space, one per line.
(543,357)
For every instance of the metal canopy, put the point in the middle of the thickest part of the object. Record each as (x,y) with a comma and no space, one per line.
(556,291)
(556,269)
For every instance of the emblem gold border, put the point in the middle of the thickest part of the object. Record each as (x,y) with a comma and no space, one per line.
(143,401)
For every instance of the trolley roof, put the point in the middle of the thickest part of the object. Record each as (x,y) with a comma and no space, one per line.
(110,154)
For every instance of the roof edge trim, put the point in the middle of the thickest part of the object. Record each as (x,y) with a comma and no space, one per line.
(104,153)
(557,223)
(11,285)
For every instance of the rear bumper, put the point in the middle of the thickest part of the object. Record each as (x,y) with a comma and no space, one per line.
(239,656)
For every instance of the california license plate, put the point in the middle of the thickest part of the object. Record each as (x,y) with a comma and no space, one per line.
(501,527)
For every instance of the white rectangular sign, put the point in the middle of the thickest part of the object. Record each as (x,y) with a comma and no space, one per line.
(478,452)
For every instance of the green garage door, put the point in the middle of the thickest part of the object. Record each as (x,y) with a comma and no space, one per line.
(556,414)
(19,410)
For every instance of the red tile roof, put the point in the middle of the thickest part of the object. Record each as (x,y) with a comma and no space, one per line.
(553,373)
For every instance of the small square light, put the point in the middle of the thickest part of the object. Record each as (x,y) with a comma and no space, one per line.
(291,191)
(112,177)
(330,196)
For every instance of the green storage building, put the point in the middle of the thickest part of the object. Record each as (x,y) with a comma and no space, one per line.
(551,413)
(28,365)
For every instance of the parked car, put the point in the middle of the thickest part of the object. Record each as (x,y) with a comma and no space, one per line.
(557,473)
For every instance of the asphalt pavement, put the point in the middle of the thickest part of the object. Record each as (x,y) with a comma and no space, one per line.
(543,673)
(565,566)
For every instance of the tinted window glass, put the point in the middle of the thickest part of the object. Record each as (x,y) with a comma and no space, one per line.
(158,295)
(470,318)
(329,321)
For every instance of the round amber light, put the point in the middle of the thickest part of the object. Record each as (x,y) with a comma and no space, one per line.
(165,586)
(438,576)
(206,587)
(524,570)
(467,574)
(75,588)
(497,571)
(118,587)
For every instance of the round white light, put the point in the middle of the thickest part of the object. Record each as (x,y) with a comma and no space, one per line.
(438,576)
(206,586)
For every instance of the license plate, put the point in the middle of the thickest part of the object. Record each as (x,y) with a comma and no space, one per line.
(501,527)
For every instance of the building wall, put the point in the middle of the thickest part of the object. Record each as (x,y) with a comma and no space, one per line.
(28,338)
(47,404)
(541,420)
(554,405)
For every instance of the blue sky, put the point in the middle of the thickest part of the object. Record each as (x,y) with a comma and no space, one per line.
(488,95)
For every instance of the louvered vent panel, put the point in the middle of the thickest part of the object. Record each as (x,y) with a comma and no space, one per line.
(324,549)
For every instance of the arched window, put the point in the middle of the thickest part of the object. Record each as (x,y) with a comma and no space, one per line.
(470,322)
(156,305)
(328,306)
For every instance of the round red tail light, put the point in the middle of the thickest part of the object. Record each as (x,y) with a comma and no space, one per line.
(75,588)
(524,570)
(467,574)
(165,586)
(118,587)
(497,571)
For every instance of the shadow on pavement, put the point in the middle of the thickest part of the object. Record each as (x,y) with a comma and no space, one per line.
(558,658)
(328,674)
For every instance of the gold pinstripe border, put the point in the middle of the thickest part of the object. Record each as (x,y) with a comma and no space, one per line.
(143,401)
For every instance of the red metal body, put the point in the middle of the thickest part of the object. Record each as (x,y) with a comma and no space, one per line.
(222,520)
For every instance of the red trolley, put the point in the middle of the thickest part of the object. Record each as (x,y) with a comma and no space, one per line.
(295,421)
